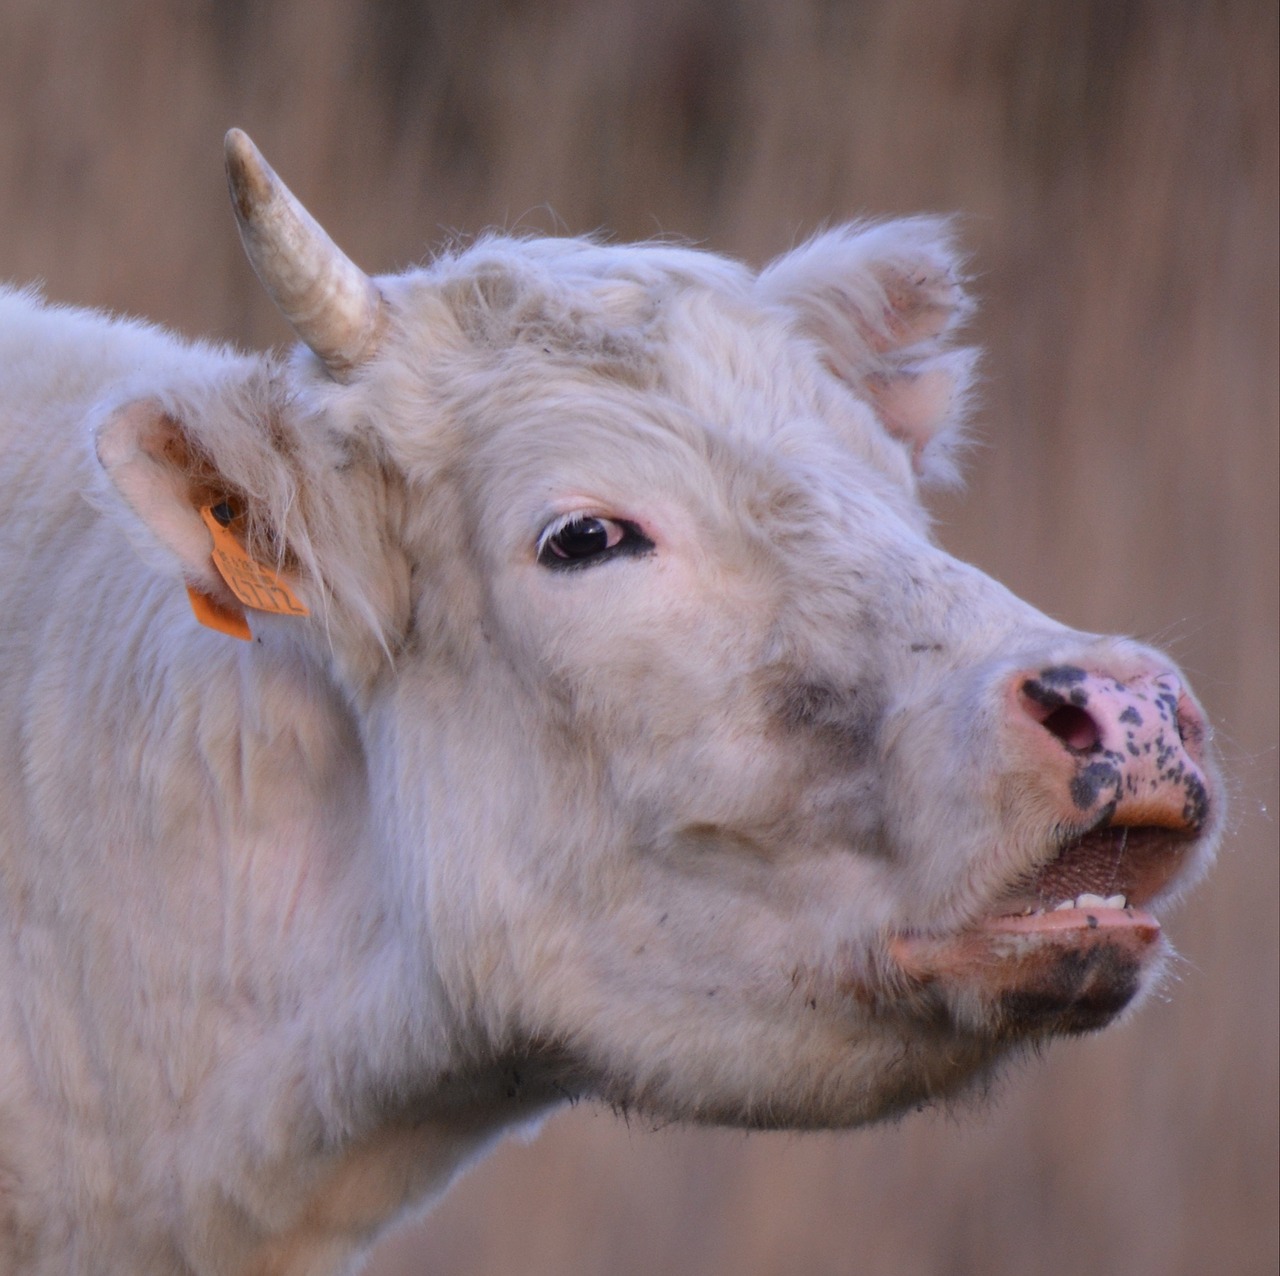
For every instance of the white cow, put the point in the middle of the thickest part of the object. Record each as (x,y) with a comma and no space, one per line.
(541,683)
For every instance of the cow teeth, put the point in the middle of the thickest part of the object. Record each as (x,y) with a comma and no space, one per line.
(1090,900)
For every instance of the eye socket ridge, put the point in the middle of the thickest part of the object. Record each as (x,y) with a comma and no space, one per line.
(579,540)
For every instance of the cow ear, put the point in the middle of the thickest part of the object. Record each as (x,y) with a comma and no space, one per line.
(150,460)
(222,541)
(883,301)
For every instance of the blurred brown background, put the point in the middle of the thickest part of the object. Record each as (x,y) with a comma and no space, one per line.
(1117,162)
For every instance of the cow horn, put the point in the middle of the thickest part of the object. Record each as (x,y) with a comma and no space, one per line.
(330,302)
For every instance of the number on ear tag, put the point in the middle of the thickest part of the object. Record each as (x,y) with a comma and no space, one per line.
(253,583)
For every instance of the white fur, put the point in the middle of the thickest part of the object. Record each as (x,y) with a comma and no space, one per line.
(291,929)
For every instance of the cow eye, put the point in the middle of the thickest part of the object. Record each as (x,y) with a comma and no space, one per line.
(577,540)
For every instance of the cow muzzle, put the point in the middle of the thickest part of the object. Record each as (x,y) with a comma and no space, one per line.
(1115,770)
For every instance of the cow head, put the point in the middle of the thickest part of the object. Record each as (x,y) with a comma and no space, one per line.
(700,778)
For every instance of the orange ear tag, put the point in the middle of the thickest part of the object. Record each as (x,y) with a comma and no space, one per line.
(252,582)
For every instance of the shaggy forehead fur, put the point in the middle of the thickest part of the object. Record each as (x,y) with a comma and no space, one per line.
(621,373)
(685,326)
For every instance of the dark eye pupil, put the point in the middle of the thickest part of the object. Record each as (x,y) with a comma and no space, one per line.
(582,538)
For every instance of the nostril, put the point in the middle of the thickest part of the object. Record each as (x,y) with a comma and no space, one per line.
(1074,727)
(1129,750)
(1071,724)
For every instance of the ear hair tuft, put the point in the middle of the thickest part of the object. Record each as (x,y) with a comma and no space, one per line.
(883,300)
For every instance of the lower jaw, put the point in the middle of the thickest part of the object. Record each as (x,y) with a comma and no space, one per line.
(1038,974)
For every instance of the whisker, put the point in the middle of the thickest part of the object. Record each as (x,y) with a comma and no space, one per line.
(1115,865)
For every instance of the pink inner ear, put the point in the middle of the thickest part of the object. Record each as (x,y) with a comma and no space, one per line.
(914,401)
(137,446)
(882,302)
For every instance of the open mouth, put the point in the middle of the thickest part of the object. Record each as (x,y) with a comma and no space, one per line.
(1066,948)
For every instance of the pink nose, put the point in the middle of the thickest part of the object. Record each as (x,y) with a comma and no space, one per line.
(1135,746)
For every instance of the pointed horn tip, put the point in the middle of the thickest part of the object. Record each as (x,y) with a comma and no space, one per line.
(248,174)
(294,257)
(239,149)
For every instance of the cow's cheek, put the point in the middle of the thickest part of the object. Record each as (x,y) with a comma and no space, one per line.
(630,647)
(748,997)
(723,1029)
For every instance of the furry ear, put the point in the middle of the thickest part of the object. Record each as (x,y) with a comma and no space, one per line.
(220,538)
(883,300)
(149,459)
